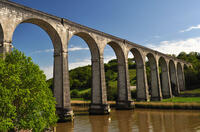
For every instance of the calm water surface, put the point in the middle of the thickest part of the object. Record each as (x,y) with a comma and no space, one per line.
(138,120)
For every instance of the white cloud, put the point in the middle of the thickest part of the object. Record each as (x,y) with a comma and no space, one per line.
(51,50)
(77,49)
(48,71)
(175,47)
(191,28)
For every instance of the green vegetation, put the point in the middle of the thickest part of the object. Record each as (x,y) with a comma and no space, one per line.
(182,99)
(192,75)
(81,77)
(191,92)
(26,102)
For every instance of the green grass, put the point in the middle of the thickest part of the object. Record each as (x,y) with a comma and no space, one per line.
(84,91)
(195,91)
(183,99)
(82,99)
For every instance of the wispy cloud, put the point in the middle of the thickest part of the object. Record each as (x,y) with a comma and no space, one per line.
(51,50)
(191,28)
(77,49)
(175,47)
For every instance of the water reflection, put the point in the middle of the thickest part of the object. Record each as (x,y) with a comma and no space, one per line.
(138,120)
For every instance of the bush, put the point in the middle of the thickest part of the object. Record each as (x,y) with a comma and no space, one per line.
(26,102)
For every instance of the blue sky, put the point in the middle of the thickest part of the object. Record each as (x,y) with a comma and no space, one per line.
(169,26)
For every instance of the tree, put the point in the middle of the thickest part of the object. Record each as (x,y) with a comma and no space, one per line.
(26,102)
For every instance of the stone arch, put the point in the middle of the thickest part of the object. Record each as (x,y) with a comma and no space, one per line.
(141,84)
(165,80)
(180,75)
(155,80)
(48,28)
(123,88)
(90,41)
(59,69)
(98,90)
(173,78)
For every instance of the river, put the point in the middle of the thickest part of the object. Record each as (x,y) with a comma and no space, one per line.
(138,120)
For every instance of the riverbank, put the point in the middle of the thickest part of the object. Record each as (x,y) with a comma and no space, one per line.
(149,105)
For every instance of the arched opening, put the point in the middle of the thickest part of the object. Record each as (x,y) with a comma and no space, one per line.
(173,78)
(80,74)
(164,78)
(116,76)
(153,79)
(111,72)
(38,39)
(180,75)
(141,81)
(84,77)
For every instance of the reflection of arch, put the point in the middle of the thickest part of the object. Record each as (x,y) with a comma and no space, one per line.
(155,84)
(165,83)
(142,90)
(180,77)
(173,78)
(48,28)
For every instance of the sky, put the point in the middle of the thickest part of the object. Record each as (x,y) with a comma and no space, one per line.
(169,26)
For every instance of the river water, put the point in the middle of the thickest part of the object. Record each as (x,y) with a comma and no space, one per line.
(138,120)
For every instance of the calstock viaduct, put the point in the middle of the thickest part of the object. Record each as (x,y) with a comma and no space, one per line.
(61,30)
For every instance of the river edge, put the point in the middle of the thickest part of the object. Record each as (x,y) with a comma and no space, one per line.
(147,105)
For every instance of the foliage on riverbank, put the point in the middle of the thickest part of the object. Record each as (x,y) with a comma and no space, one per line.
(192,75)
(81,77)
(26,102)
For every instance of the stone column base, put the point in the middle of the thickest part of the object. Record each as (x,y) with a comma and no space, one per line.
(99,109)
(141,99)
(156,98)
(166,96)
(64,114)
(125,105)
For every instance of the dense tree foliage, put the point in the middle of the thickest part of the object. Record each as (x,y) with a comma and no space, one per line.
(192,75)
(26,102)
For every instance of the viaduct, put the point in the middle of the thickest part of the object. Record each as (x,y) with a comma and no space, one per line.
(61,30)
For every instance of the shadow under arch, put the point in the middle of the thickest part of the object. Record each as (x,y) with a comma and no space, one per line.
(141,82)
(173,78)
(156,94)
(164,78)
(181,77)
(1,35)
(123,89)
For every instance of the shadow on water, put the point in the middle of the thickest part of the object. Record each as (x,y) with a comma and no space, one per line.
(138,120)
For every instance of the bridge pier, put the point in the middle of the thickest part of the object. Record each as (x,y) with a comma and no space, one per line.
(142,87)
(99,105)
(6,47)
(174,79)
(61,86)
(155,84)
(156,94)
(124,101)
